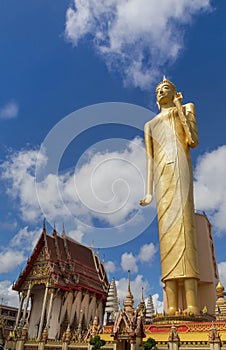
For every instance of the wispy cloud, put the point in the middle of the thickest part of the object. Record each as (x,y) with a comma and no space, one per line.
(9,111)
(137,38)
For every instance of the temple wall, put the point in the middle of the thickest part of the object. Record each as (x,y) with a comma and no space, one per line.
(76,307)
(37,300)
(54,326)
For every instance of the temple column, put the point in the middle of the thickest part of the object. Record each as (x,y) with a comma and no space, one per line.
(132,345)
(50,307)
(21,297)
(43,312)
(115,345)
(27,301)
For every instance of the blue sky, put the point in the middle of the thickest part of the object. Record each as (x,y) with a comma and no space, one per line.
(58,59)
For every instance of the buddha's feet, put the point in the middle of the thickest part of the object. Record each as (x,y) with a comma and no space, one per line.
(192,310)
(171,311)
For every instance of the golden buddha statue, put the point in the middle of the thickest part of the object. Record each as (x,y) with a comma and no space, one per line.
(168,138)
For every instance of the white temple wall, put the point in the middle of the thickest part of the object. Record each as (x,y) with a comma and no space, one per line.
(76,307)
(100,312)
(66,303)
(54,325)
(85,308)
(36,308)
(92,309)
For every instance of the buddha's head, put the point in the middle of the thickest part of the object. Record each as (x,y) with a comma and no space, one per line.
(165,92)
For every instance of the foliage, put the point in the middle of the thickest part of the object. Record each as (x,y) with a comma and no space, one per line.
(97,342)
(149,344)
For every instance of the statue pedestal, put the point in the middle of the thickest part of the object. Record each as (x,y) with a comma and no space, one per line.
(161,319)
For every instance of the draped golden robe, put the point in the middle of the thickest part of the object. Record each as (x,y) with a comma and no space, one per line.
(171,164)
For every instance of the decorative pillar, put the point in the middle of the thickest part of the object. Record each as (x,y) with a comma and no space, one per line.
(66,338)
(27,301)
(214,339)
(50,307)
(23,337)
(173,340)
(44,337)
(43,312)
(132,345)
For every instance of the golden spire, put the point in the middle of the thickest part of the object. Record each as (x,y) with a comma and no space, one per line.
(128,303)
(220,289)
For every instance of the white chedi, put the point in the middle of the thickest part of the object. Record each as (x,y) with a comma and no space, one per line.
(111,308)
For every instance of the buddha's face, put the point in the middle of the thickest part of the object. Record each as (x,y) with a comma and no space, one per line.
(164,93)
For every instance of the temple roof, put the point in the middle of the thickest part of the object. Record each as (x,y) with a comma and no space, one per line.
(71,265)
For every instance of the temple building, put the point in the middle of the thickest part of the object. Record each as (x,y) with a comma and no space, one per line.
(65,284)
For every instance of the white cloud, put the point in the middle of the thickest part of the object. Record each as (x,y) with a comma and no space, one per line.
(110,266)
(107,187)
(76,234)
(222,272)
(210,187)
(158,304)
(138,38)
(25,239)
(15,254)
(110,183)
(7,295)
(19,172)
(147,252)
(9,259)
(128,262)
(9,111)
(136,288)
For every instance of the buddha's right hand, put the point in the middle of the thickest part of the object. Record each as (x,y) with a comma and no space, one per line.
(146,200)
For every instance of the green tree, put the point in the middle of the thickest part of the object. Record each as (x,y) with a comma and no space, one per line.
(97,342)
(149,344)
